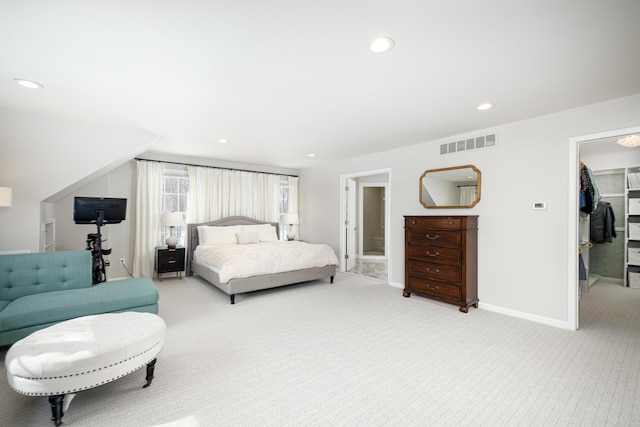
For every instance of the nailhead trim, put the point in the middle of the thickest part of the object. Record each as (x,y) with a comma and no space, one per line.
(88,372)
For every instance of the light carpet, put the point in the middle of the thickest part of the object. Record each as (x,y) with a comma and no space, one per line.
(356,353)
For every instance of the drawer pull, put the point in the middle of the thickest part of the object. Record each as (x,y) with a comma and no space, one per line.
(172,261)
(433,254)
(430,237)
(433,288)
(436,270)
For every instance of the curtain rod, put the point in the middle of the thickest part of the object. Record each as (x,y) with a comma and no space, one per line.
(215,167)
(468,185)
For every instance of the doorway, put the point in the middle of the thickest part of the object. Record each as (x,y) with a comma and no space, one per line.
(364,233)
(373,217)
(575,231)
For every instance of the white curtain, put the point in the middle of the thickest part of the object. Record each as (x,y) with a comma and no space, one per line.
(293,194)
(467,195)
(218,193)
(202,202)
(150,177)
(293,200)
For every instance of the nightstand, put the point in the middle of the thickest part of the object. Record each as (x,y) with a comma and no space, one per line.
(169,261)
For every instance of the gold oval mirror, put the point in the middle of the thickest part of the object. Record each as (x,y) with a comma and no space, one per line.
(454,187)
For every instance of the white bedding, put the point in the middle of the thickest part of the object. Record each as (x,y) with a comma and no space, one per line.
(233,261)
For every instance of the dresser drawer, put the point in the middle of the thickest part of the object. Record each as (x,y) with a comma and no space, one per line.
(434,255)
(170,260)
(445,291)
(170,257)
(446,273)
(439,223)
(452,239)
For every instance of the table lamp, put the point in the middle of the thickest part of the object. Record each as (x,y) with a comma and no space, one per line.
(291,219)
(172,220)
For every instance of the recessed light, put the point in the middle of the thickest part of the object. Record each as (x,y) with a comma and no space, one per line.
(381,45)
(28,83)
(311,155)
(223,141)
(485,106)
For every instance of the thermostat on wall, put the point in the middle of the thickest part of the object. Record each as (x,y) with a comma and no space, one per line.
(539,205)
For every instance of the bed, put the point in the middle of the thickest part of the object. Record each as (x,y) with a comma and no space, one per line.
(224,239)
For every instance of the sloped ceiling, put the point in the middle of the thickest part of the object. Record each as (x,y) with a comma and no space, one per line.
(285,78)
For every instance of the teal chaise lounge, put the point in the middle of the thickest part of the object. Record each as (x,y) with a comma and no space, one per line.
(40,289)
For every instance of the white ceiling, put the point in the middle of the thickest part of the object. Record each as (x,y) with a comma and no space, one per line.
(284,78)
(606,147)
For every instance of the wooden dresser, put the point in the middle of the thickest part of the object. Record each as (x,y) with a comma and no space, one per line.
(441,258)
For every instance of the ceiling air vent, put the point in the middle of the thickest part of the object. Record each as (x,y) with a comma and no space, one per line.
(468,144)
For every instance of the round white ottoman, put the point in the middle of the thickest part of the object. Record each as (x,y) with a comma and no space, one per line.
(83,353)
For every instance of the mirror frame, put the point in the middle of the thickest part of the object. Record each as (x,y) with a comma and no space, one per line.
(476,170)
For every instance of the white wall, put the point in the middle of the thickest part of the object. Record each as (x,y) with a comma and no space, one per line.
(44,158)
(523,261)
(121,182)
(119,237)
(611,159)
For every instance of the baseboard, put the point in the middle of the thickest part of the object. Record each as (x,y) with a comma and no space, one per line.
(610,280)
(16,252)
(115,279)
(509,312)
(526,316)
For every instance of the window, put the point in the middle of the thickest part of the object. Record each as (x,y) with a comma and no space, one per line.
(174,197)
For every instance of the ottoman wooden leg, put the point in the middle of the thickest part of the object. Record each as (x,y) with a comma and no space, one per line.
(56,408)
(150,368)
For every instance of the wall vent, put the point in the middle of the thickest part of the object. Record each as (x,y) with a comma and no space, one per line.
(468,144)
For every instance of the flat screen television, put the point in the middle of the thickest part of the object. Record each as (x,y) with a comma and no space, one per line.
(86,210)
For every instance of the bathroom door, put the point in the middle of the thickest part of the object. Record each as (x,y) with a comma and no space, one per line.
(350,224)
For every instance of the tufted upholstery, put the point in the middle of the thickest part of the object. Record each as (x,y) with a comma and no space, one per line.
(42,289)
(83,353)
(29,274)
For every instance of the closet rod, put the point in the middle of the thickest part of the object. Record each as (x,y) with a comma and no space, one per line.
(215,167)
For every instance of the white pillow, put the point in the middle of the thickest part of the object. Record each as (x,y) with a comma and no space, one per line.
(248,237)
(200,235)
(219,235)
(267,232)
(252,227)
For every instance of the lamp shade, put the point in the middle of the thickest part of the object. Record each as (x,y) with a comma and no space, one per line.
(172,219)
(5,197)
(290,218)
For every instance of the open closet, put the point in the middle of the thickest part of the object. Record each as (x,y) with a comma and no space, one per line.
(602,225)
(609,225)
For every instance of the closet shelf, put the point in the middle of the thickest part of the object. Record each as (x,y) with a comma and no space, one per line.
(632,211)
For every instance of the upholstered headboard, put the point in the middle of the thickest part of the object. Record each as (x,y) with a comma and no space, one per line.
(192,233)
